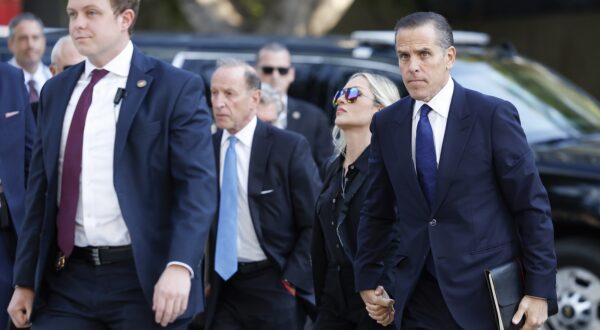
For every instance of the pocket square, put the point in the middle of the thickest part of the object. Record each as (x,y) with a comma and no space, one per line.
(11,114)
(264,192)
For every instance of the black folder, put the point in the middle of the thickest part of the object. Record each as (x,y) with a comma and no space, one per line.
(505,283)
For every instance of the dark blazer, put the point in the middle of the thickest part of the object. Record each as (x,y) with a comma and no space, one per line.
(348,220)
(16,140)
(306,119)
(490,207)
(283,184)
(164,175)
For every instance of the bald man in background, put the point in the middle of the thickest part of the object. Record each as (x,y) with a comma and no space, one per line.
(64,54)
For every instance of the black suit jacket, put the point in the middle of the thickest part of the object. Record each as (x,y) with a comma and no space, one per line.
(306,119)
(283,184)
(347,221)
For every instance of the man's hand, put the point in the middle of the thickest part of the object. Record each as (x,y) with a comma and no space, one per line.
(535,311)
(379,305)
(20,306)
(171,294)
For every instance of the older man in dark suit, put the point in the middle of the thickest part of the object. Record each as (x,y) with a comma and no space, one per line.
(16,140)
(453,168)
(122,187)
(260,265)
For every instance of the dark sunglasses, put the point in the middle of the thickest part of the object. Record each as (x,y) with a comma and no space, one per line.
(350,94)
(269,70)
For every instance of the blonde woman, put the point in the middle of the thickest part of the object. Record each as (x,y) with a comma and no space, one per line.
(340,201)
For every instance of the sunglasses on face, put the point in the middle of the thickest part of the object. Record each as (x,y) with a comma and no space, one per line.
(269,70)
(350,94)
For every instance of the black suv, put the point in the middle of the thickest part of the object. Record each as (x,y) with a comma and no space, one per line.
(562,124)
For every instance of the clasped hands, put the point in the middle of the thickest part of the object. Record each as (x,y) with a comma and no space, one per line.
(379,305)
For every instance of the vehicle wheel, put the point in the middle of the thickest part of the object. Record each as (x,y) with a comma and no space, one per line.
(577,285)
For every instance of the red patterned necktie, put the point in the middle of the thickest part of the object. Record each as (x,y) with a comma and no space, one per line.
(71,171)
(33,94)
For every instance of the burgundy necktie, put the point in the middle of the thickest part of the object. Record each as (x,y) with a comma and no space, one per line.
(33,94)
(69,192)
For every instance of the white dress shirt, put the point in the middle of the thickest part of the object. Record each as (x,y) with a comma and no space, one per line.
(248,247)
(39,76)
(99,221)
(438,117)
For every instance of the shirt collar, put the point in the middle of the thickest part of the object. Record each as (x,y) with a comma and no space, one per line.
(38,75)
(440,103)
(119,65)
(244,135)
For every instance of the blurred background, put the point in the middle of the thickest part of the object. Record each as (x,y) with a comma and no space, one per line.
(558,33)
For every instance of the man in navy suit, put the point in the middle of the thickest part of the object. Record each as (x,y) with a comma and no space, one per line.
(121,190)
(16,139)
(453,167)
(274,67)
(260,244)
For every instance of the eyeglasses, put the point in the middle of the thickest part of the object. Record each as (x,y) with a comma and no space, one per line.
(350,94)
(269,70)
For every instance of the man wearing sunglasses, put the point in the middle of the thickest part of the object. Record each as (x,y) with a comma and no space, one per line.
(453,169)
(275,68)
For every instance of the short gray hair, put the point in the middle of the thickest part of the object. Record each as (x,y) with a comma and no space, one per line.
(12,25)
(250,75)
(270,95)
(418,19)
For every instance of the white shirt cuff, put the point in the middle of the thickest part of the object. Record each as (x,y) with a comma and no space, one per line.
(182,265)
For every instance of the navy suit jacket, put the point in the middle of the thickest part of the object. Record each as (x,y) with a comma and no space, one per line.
(164,175)
(16,139)
(490,207)
(283,185)
(306,119)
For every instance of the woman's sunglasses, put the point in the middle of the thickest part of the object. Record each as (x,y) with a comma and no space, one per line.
(350,94)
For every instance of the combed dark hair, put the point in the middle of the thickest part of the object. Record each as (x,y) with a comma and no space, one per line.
(20,18)
(439,22)
(120,6)
(252,79)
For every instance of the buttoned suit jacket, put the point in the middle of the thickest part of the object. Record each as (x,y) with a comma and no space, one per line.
(283,184)
(164,175)
(490,207)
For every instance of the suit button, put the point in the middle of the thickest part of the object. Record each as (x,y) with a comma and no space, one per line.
(339,268)
(332,223)
(337,246)
(433,223)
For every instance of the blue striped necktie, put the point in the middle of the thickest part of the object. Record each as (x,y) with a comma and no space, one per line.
(226,247)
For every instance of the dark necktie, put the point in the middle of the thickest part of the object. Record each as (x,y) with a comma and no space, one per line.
(425,156)
(33,94)
(71,171)
(226,247)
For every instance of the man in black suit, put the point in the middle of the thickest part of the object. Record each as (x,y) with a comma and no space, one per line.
(259,248)
(274,66)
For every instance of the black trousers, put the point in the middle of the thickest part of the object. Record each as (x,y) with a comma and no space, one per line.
(256,300)
(426,309)
(340,307)
(83,296)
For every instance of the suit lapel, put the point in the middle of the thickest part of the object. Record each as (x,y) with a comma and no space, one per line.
(260,151)
(458,127)
(138,84)
(402,150)
(56,116)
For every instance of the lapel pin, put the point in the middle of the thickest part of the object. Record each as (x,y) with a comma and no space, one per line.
(141,83)
(296,115)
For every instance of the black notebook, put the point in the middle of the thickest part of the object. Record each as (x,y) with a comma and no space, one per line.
(505,283)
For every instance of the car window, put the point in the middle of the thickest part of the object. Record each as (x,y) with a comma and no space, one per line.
(550,107)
